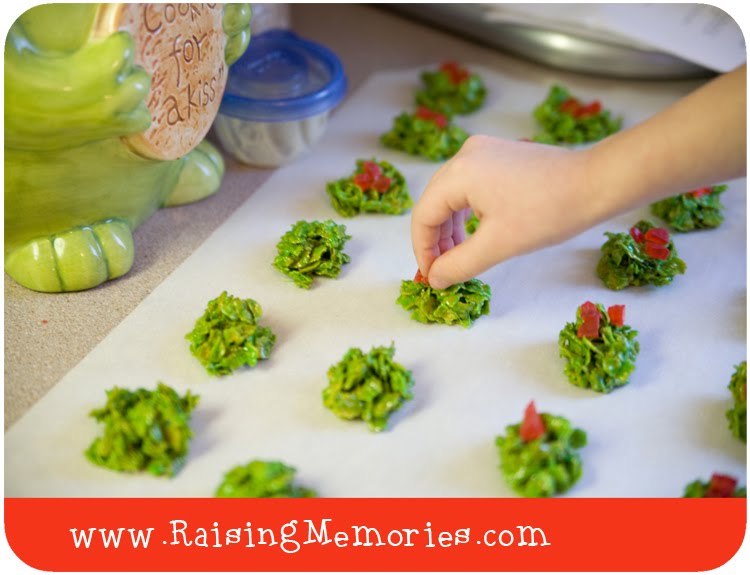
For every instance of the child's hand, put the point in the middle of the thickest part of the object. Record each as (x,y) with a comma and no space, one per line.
(526,196)
(529,196)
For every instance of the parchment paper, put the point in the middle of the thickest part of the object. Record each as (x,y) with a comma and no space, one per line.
(648,439)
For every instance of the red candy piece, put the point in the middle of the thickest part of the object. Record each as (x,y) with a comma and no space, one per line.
(435,117)
(589,109)
(700,192)
(590,324)
(382,184)
(532,426)
(456,74)
(574,107)
(589,309)
(420,279)
(371,178)
(363,180)
(658,236)
(636,234)
(589,329)
(571,106)
(440,121)
(616,314)
(371,168)
(656,251)
(721,486)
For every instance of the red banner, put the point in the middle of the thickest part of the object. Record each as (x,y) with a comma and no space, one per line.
(375,534)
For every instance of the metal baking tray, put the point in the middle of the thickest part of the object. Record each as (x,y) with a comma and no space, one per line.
(553,48)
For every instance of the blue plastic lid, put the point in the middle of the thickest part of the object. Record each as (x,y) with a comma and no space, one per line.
(281,78)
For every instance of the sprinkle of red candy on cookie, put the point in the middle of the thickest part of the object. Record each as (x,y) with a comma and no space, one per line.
(589,309)
(532,426)
(372,168)
(700,192)
(636,234)
(420,279)
(590,109)
(381,184)
(431,116)
(589,329)
(590,325)
(456,74)
(721,486)
(571,106)
(574,107)
(616,315)
(363,180)
(656,251)
(658,236)
(654,242)
(371,178)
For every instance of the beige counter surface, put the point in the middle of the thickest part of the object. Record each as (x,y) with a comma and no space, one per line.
(47,334)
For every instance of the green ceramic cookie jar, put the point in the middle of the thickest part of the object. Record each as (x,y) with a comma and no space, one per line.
(106,108)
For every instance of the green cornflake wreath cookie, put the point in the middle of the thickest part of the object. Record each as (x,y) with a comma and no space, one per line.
(425,133)
(462,303)
(368,386)
(696,210)
(451,90)
(737,415)
(262,479)
(227,335)
(374,187)
(645,255)
(599,349)
(539,456)
(312,249)
(718,486)
(471,224)
(565,120)
(144,430)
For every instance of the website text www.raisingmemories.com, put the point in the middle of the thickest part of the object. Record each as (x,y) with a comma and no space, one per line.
(295,535)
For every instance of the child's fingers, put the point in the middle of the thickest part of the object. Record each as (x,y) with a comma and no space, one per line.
(446,236)
(464,261)
(426,248)
(430,217)
(459,226)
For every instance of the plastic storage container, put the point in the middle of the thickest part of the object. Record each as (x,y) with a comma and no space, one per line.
(278,98)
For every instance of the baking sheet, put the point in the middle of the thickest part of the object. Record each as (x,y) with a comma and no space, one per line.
(648,439)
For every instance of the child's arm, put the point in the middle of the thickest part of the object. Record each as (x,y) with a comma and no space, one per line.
(529,196)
